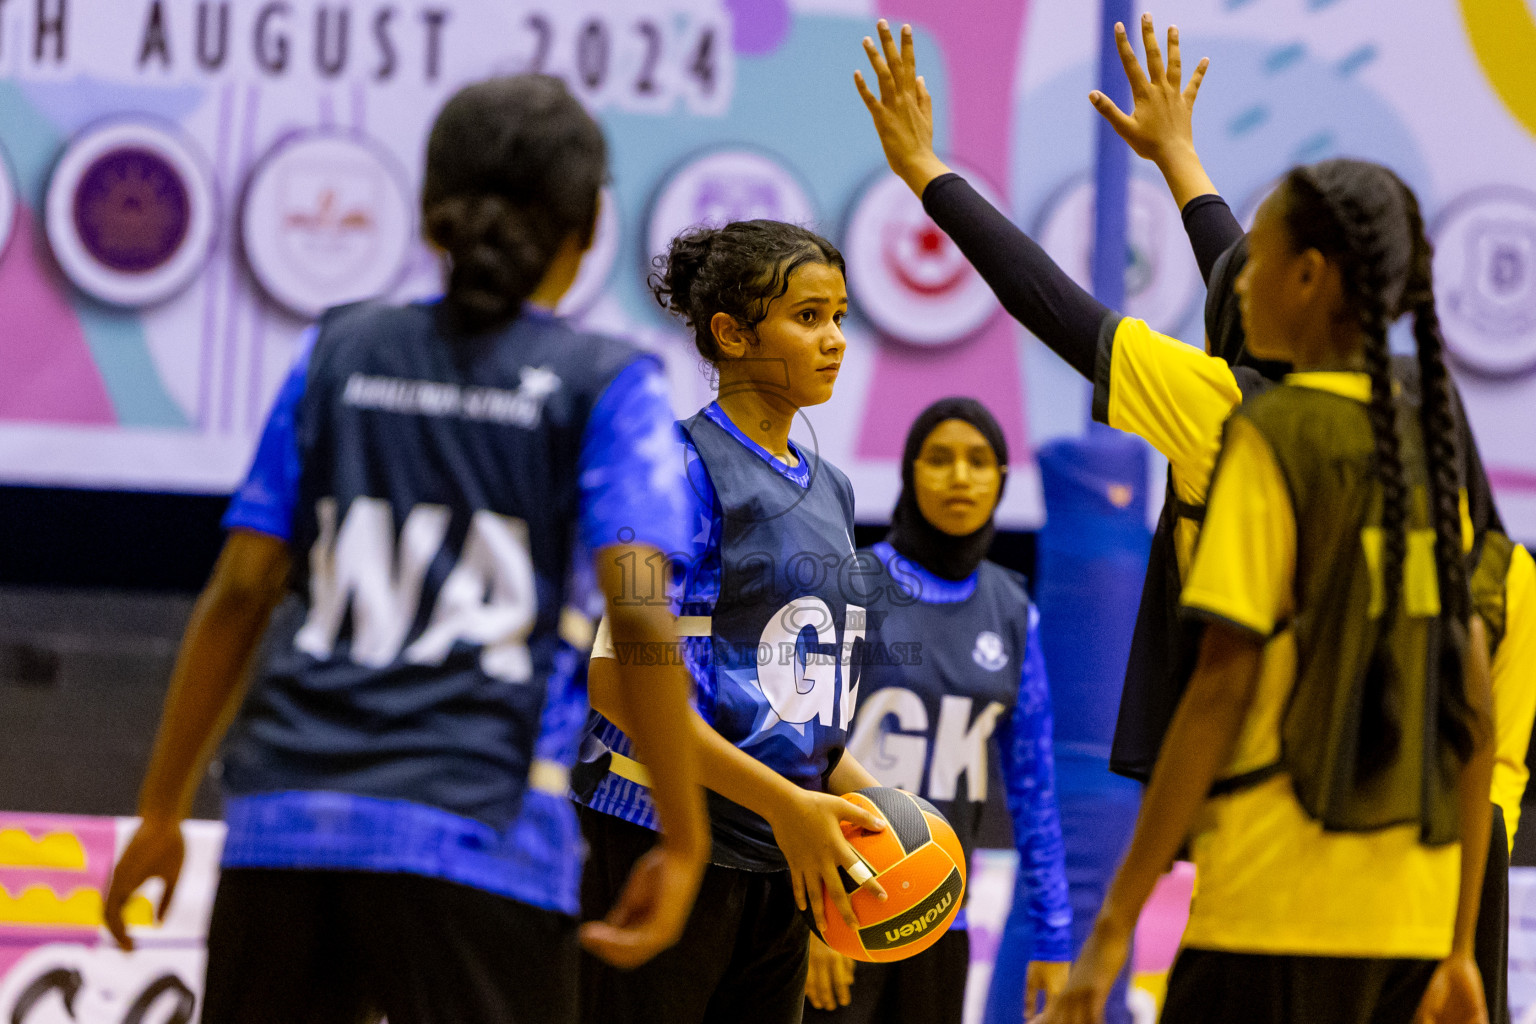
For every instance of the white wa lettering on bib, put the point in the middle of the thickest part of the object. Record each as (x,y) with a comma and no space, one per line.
(488,600)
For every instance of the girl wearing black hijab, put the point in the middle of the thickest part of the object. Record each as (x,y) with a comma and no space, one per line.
(953,677)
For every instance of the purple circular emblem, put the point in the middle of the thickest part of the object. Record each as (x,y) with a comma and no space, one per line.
(759,26)
(132,210)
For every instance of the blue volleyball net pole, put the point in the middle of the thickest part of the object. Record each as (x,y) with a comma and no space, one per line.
(1091,559)
(1112,167)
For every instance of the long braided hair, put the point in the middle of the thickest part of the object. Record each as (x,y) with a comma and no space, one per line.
(1439,429)
(1362,218)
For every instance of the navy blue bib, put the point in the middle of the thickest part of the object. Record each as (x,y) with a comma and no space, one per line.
(432,540)
(783,630)
(938,680)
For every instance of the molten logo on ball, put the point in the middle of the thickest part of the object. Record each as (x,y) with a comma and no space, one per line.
(892,934)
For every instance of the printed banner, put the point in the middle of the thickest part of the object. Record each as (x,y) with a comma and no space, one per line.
(57,963)
(1522,945)
(184,183)
(59,966)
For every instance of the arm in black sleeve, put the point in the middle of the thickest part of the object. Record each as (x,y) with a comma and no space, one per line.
(1212,229)
(1028,283)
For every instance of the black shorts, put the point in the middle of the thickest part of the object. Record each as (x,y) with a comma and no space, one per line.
(344,947)
(1216,987)
(741,959)
(1491,947)
(928,988)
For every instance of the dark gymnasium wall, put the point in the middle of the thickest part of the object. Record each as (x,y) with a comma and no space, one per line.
(168,542)
(95,589)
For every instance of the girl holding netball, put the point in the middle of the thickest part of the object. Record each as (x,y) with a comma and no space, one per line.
(954,691)
(415,505)
(770,632)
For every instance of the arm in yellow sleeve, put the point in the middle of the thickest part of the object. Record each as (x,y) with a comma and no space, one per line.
(1173,395)
(1244,567)
(1514,689)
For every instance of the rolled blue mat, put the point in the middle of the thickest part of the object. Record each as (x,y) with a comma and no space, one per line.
(1091,559)
(1098,812)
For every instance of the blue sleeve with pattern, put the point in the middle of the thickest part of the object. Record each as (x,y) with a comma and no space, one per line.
(1029,774)
(266,499)
(698,584)
(631,478)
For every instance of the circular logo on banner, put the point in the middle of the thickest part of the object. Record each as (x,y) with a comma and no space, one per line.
(907,276)
(1162,279)
(130,212)
(326,220)
(597,264)
(7,202)
(722,186)
(1485,280)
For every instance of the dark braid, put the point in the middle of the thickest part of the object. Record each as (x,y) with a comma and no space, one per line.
(1367,259)
(1439,428)
(1363,218)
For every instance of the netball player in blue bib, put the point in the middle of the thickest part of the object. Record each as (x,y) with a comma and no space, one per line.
(394,780)
(769,637)
(954,679)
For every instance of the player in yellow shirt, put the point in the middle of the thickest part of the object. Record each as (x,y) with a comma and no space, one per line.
(1504,594)
(1175,396)
(1504,590)
(1159,129)
(1342,679)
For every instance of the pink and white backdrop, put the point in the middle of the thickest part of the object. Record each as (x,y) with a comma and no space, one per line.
(183,182)
(289,144)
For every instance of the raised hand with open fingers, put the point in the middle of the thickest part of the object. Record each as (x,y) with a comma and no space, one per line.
(903,110)
(1160,126)
(1161,116)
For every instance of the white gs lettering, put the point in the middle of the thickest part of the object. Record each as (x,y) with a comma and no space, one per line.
(797,696)
(853,632)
